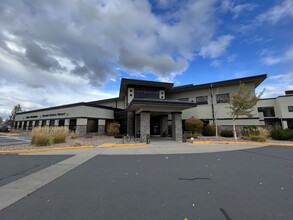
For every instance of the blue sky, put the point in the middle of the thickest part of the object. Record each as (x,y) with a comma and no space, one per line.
(59,52)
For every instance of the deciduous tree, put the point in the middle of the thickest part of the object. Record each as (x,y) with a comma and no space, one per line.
(241,103)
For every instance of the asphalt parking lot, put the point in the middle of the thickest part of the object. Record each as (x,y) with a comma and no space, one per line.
(13,167)
(243,184)
(9,140)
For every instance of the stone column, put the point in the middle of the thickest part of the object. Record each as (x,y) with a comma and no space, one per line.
(130,123)
(56,123)
(144,125)
(137,125)
(164,125)
(81,124)
(177,126)
(101,126)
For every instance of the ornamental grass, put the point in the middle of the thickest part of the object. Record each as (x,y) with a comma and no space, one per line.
(44,136)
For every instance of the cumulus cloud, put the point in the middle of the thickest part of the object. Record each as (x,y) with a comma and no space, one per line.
(216,48)
(277,13)
(91,42)
(92,36)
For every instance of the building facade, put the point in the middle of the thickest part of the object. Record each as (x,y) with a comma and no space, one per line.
(148,107)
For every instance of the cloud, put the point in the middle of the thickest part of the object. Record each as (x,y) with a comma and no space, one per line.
(277,13)
(91,35)
(55,47)
(288,78)
(276,85)
(236,9)
(270,58)
(215,49)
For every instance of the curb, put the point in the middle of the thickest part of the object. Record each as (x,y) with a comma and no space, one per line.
(243,143)
(9,134)
(122,145)
(44,150)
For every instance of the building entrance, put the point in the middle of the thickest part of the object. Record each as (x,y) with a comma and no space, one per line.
(155,125)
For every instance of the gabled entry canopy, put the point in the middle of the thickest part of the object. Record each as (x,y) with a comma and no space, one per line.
(159,105)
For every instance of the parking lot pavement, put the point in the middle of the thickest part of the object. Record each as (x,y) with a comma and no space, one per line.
(242,184)
(13,167)
(8,140)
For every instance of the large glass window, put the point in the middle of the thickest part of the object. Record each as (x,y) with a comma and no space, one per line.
(201,100)
(290,108)
(267,111)
(223,98)
(143,93)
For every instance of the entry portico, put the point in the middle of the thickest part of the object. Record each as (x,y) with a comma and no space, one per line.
(153,114)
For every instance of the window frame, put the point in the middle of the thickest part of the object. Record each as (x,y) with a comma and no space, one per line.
(222,100)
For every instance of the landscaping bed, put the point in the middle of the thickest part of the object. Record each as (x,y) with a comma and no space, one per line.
(80,141)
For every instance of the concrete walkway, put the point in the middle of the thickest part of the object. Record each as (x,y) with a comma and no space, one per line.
(20,188)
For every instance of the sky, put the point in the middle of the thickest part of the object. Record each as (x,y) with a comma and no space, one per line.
(60,52)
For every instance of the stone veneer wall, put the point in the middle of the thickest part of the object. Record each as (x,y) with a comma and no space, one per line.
(101,129)
(81,129)
(177,126)
(144,125)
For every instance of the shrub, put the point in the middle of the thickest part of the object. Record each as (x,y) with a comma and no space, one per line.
(264,132)
(227,133)
(41,136)
(76,144)
(248,131)
(209,130)
(118,136)
(194,125)
(282,134)
(258,138)
(59,134)
(113,129)
(74,134)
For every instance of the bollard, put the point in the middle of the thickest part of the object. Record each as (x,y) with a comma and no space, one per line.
(123,139)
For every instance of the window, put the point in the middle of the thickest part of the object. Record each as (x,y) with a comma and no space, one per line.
(43,123)
(142,93)
(52,123)
(290,108)
(184,99)
(222,98)
(201,100)
(267,111)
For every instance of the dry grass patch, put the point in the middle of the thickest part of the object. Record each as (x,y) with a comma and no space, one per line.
(44,136)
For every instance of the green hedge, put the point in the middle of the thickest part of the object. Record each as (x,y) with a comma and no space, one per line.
(227,133)
(209,130)
(282,134)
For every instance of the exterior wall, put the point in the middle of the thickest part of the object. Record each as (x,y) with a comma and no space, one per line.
(114,104)
(63,113)
(162,94)
(282,106)
(220,109)
(130,95)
